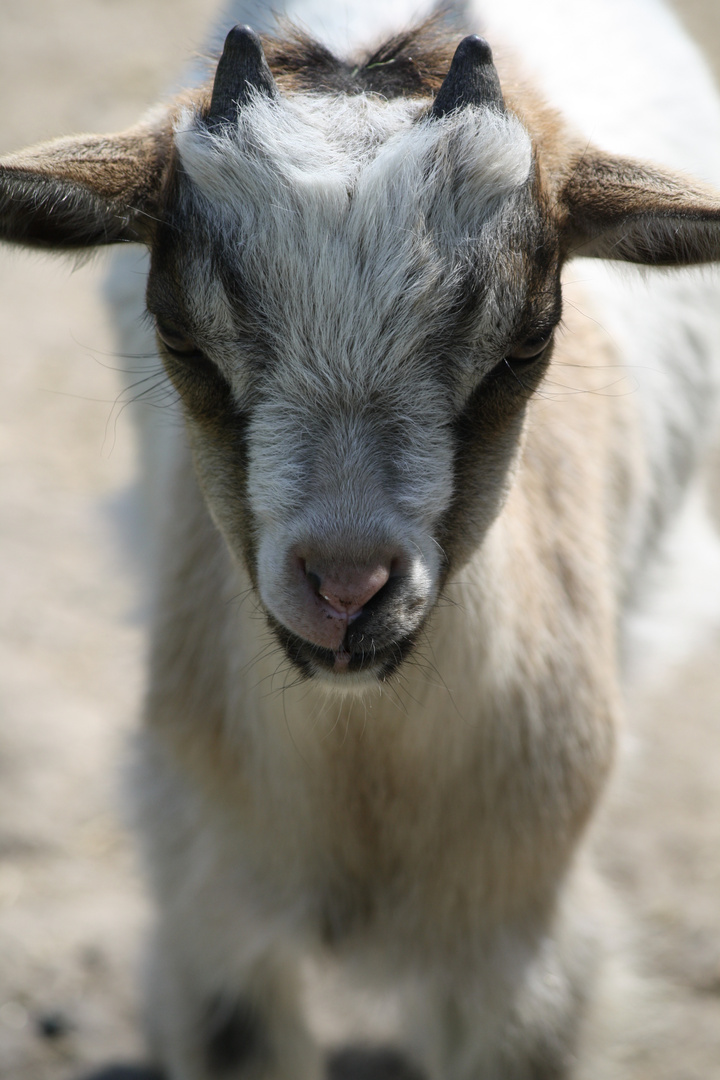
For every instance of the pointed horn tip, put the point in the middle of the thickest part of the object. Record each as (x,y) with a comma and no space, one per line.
(471,79)
(242,38)
(473,49)
(241,70)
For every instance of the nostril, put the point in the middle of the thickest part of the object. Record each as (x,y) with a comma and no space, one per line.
(327,593)
(348,589)
(313,579)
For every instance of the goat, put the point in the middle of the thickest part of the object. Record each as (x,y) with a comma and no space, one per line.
(388,632)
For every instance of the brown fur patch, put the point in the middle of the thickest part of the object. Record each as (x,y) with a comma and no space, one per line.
(84,191)
(411,64)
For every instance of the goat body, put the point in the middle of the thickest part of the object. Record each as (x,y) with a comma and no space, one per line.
(395,561)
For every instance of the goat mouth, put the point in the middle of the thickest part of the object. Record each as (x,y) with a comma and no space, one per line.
(380,662)
(342,660)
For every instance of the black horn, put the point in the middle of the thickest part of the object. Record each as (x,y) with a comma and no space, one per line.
(471,80)
(241,69)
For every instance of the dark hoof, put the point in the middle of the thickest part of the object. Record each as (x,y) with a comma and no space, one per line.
(53,1025)
(126,1072)
(357,1063)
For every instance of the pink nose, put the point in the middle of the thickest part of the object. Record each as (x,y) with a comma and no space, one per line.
(326,596)
(347,589)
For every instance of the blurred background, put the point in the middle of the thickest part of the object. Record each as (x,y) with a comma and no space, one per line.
(71,628)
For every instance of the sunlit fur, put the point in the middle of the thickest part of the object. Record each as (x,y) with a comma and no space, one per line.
(347,293)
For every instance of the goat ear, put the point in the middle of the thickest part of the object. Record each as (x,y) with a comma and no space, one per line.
(617,208)
(83,191)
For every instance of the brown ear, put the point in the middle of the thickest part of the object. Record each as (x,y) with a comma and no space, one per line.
(83,191)
(617,208)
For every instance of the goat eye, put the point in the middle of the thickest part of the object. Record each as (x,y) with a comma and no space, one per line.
(531,348)
(174,339)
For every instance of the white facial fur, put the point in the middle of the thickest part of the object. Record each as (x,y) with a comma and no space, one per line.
(347,224)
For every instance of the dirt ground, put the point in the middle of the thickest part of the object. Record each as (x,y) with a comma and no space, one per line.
(72,910)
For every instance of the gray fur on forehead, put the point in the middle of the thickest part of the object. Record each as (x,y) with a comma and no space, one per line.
(310,154)
(344,216)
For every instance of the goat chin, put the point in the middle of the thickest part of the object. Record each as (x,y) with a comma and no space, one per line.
(395,562)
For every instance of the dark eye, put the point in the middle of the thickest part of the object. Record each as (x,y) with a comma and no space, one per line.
(531,348)
(175,339)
